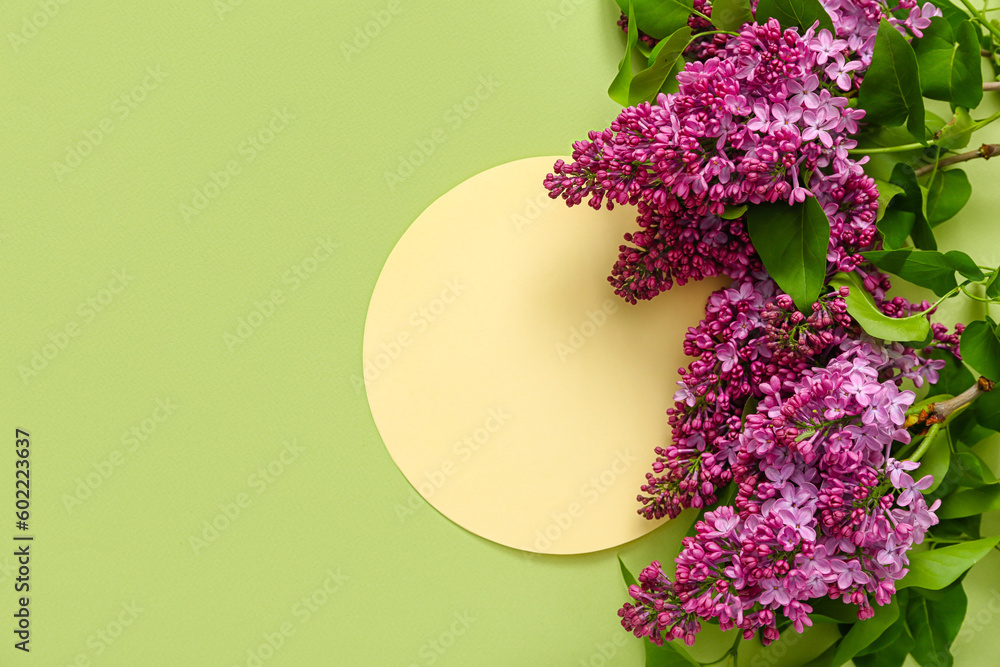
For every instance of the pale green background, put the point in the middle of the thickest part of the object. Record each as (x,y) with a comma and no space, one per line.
(338,505)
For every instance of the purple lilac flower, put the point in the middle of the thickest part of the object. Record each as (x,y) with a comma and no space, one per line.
(816,513)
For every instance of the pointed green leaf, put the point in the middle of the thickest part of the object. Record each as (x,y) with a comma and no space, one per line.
(964,265)
(890,93)
(733,212)
(862,308)
(792,242)
(626,575)
(938,568)
(647,83)
(619,88)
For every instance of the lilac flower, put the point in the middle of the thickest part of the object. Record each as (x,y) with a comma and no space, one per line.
(911,490)
(826,47)
(840,70)
(848,573)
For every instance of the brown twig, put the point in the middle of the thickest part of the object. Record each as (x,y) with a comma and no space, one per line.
(937,413)
(986,151)
(991,85)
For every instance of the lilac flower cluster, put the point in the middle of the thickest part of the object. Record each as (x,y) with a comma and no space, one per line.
(798,410)
(763,121)
(750,334)
(822,509)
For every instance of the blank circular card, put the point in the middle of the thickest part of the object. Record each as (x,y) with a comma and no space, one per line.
(518,395)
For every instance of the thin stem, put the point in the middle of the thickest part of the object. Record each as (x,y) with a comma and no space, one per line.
(704,16)
(986,151)
(887,149)
(982,19)
(978,125)
(974,297)
(991,85)
(926,444)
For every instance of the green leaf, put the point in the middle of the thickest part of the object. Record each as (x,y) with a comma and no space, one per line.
(893,655)
(619,88)
(958,132)
(948,193)
(890,92)
(967,429)
(669,655)
(970,502)
(974,471)
(949,63)
(964,265)
(835,609)
(935,624)
(987,410)
(936,461)
(937,568)
(865,632)
(954,15)
(731,14)
(862,308)
(626,575)
(891,648)
(927,268)
(896,226)
(733,212)
(647,83)
(909,207)
(886,191)
(965,527)
(993,286)
(657,18)
(981,349)
(801,13)
(792,241)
